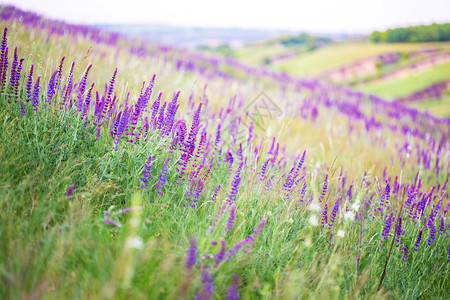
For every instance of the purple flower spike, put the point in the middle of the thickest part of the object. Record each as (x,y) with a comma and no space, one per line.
(70,191)
(23,109)
(147,168)
(417,244)
(191,255)
(405,253)
(162,177)
(231,219)
(29,85)
(448,260)
(36,94)
(218,258)
(324,189)
(235,184)
(109,221)
(233,293)
(387,228)
(334,212)
(325,215)
(208,286)
(51,90)
(432,233)
(213,198)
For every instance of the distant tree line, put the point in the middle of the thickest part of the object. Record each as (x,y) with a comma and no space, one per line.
(311,42)
(413,34)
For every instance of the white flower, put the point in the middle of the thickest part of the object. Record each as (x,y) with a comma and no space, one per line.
(308,242)
(314,207)
(134,242)
(349,215)
(313,220)
(355,206)
(340,233)
(290,221)
(269,213)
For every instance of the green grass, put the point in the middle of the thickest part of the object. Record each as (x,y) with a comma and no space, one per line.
(395,88)
(58,247)
(438,107)
(336,55)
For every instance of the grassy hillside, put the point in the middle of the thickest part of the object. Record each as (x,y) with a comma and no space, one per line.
(396,88)
(234,182)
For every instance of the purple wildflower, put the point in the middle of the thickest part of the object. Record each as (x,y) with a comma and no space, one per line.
(191,255)
(432,233)
(208,287)
(405,253)
(51,90)
(442,226)
(263,171)
(231,219)
(384,199)
(213,198)
(218,258)
(147,167)
(29,85)
(70,191)
(36,94)
(12,76)
(325,215)
(235,184)
(112,222)
(417,244)
(87,103)
(334,212)
(233,293)
(68,87)
(387,228)
(448,260)
(162,177)
(82,88)
(3,59)
(23,109)
(324,189)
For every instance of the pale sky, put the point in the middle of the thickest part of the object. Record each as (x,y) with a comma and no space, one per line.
(343,16)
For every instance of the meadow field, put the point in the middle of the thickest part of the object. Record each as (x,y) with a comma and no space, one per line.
(131,170)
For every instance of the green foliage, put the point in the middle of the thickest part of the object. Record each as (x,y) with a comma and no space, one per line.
(413,34)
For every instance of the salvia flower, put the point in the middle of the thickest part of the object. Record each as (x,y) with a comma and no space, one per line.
(405,253)
(213,198)
(448,260)
(147,168)
(162,177)
(208,286)
(109,221)
(432,233)
(325,215)
(442,226)
(384,199)
(36,94)
(233,293)
(387,228)
(29,85)
(324,189)
(191,255)
(51,90)
(218,258)
(417,244)
(70,191)
(235,184)
(335,211)
(23,109)
(231,219)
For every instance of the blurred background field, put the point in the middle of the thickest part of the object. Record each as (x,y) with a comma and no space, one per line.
(290,165)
